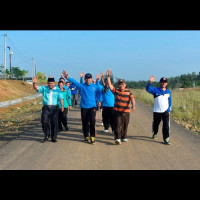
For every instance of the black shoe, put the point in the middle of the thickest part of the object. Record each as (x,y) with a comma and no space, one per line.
(53,140)
(66,128)
(45,139)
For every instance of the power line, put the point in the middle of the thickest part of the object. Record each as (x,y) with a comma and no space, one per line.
(16,48)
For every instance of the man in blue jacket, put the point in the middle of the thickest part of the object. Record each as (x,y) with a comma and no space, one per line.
(88,92)
(162,107)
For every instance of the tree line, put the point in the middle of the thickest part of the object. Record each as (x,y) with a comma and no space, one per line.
(17,73)
(182,81)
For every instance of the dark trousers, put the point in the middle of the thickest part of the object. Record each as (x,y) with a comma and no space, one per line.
(49,121)
(88,117)
(74,100)
(62,119)
(166,123)
(121,121)
(108,117)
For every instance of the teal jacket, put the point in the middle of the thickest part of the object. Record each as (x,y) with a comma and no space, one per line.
(66,99)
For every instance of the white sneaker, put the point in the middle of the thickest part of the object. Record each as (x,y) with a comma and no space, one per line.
(124,140)
(117,141)
(105,131)
(102,124)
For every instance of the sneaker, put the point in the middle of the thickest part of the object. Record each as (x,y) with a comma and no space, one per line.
(102,124)
(124,140)
(92,140)
(166,141)
(154,136)
(86,139)
(105,131)
(117,141)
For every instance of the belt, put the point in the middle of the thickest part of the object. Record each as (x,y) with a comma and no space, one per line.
(51,106)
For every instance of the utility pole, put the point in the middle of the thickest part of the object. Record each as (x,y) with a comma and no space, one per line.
(33,68)
(5,35)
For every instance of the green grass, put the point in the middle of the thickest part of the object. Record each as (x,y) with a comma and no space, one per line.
(185,106)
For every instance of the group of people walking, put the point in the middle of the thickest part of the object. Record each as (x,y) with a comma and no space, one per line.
(116,102)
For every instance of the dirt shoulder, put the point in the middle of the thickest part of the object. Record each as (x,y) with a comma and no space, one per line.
(14,89)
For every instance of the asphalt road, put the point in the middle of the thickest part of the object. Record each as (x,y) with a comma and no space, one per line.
(27,152)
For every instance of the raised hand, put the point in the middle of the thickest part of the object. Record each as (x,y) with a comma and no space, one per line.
(97,77)
(82,74)
(35,79)
(101,74)
(152,78)
(108,72)
(65,74)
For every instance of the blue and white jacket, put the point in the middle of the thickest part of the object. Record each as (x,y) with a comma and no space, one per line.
(162,99)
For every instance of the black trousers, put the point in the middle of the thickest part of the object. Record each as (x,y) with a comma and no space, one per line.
(74,100)
(108,117)
(165,117)
(62,119)
(49,121)
(121,120)
(88,117)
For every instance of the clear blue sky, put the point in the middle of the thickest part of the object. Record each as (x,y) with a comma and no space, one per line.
(132,55)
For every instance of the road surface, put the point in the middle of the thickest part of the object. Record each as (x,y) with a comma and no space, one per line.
(27,152)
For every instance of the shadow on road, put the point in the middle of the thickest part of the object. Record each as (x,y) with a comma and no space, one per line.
(144,138)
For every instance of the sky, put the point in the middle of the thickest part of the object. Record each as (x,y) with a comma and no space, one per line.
(132,55)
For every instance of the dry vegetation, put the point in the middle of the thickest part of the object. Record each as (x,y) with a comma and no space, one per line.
(13,89)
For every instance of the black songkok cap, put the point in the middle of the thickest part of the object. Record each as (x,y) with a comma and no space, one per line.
(51,80)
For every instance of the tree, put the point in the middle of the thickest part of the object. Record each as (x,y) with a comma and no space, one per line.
(16,72)
(41,77)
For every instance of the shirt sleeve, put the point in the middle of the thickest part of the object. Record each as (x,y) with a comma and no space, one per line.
(78,85)
(100,87)
(40,89)
(131,95)
(81,80)
(150,89)
(61,95)
(170,102)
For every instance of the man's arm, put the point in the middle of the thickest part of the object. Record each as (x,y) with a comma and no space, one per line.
(108,73)
(81,77)
(102,78)
(62,107)
(133,104)
(149,88)
(66,75)
(34,83)
(170,102)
